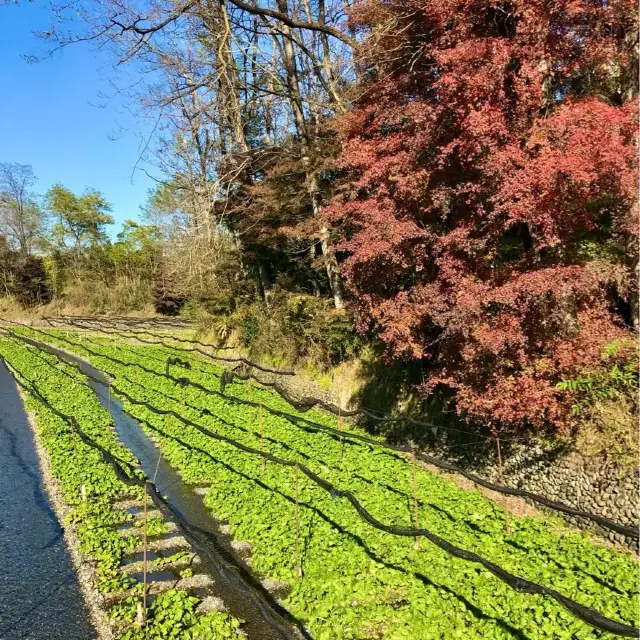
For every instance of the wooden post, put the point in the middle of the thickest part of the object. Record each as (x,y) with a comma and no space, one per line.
(298,560)
(262,441)
(415,494)
(83,492)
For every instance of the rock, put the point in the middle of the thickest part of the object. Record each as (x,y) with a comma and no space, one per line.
(211,603)
(241,547)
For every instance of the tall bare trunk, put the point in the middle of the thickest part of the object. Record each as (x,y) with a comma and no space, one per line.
(629,91)
(326,62)
(293,86)
(265,281)
(330,263)
(293,83)
(332,268)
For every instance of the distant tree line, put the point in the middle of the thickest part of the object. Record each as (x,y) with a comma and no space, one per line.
(56,245)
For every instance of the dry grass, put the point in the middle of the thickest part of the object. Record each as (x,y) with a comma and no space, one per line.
(11,309)
(124,297)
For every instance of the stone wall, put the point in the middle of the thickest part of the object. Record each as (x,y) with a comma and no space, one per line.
(588,484)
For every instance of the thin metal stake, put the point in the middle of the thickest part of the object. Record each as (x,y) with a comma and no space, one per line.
(500,473)
(144,558)
(415,494)
(298,562)
(507,527)
(264,461)
(340,430)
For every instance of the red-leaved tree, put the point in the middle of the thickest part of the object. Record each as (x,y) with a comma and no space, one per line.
(490,218)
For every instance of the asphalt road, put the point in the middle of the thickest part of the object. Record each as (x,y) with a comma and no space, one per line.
(39,594)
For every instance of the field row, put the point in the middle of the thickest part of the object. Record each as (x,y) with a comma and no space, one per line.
(358,582)
(102,514)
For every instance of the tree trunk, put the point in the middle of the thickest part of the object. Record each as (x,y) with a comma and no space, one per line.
(629,91)
(332,268)
(293,86)
(330,263)
(265,281)
(314,284)
(334,93)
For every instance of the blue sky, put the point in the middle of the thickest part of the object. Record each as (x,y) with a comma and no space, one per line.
(49,116)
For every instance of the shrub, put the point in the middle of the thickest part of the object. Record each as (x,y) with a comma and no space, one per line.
(298,328)
(605,405)
(249,330)
(30,286)
(615,378)
(166,300)
(609,429)
(122,296)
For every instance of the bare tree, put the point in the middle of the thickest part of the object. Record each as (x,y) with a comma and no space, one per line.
(237,86)
(21,218)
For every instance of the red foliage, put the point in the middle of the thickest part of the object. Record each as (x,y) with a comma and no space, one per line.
(489,149)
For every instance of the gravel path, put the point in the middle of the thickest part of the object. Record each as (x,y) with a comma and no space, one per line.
(39,594)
